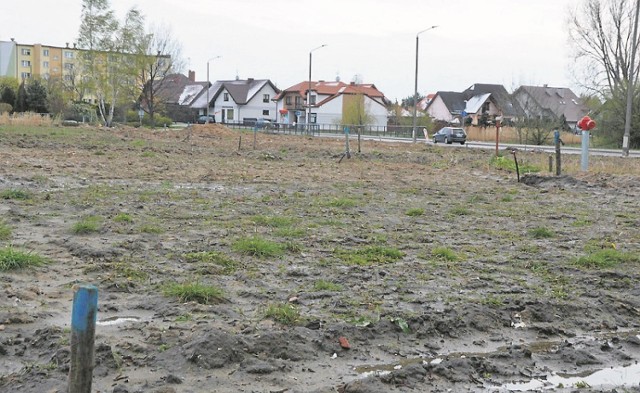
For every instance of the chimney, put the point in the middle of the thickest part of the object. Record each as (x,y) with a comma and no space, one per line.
(192,76)
(545,85)
(249,80)
(67,45)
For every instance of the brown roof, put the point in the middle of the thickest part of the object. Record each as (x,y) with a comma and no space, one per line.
(333,89)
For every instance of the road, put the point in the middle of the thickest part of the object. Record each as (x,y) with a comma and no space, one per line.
(502,146)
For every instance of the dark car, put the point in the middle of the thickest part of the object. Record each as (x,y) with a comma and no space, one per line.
(203,119)
(263,123)
(450,135)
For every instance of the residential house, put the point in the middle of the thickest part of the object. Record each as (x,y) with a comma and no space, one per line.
(328,101)
(482,103)
(177,92)
(554,103)
(239,101)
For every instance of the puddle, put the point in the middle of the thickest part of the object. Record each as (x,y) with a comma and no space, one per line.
(610,377)
(116,321)
(622,376)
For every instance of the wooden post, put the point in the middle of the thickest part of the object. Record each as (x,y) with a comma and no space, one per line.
(83,328)
(550,163)
(517,167)
(497,136)
(558,159)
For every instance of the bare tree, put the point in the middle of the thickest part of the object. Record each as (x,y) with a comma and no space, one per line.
(600,32)
(159,56)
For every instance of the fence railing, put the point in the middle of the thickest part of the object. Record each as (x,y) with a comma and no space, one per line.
(318,129)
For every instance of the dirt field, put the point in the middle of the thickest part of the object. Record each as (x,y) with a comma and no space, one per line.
(228,264)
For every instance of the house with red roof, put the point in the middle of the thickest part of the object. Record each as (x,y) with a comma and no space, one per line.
(328,102)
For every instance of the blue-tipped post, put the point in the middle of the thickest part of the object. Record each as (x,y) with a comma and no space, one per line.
(83,329)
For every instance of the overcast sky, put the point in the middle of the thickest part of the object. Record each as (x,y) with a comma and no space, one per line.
(508,42)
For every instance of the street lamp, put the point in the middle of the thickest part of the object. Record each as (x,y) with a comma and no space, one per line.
(415,90)
(209,84)
(309,89)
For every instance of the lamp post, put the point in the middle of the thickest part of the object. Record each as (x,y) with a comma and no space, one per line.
(308,120)
(209,84)
(415,90)
(630,86)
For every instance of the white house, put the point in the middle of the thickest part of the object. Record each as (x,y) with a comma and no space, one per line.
(328,100)
(239,101)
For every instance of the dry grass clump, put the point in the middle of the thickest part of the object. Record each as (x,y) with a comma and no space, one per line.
(25,119)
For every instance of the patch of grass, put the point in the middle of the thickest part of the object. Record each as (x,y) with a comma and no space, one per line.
(153,229)
(342,203)
(445,253)
(607,258)
(227,264)
(5,231)
(86,225)
(284,313)
(459,211)
(290,232)
(507,163)
(369,255)
(148,154)
(323,285)
(15,193)
(541,233)
(13,259)
(123,217)
(507,198)
(258,247)
(273,221)
(199,293)
(415,212)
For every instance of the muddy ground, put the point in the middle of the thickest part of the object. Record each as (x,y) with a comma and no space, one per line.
(407,267)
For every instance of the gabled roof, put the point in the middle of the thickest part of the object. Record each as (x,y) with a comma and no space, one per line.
(499,95)
(334,89)
(454,101)
(178,89)
(556,100)
(240,90)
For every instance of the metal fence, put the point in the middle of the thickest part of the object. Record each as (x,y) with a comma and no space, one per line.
(318,129)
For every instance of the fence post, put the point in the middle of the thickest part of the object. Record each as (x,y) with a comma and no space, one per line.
(83,328)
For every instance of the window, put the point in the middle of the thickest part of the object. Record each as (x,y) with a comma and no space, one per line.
(45,52)
(68,78)
(226,97)
(46,76)
(288,100)
(298,101)
(68,54)
(26,52)
(25,75)
(45,64)
(56,69)
(55,57)
(265,98)
(312,99)
(26,63)
(229,114)
(68,66)
(313,118)
(265,112)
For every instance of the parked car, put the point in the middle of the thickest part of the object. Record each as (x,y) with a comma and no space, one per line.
(263,123)
(203,119)
(449,135)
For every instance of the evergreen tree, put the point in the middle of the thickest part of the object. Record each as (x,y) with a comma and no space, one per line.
(36,97)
